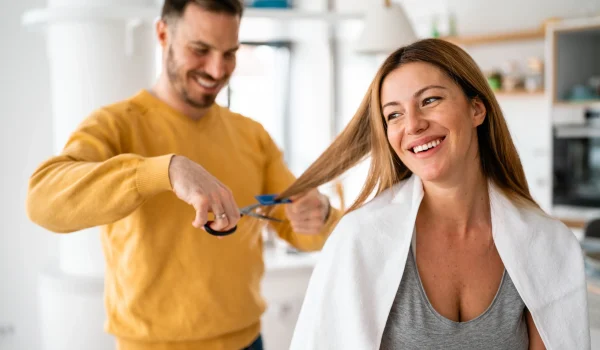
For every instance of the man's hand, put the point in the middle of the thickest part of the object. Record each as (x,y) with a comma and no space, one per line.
(197,187)
(308,212)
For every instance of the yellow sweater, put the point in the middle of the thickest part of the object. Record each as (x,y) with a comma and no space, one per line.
(167,282)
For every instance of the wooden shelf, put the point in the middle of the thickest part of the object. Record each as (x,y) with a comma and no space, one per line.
(519,92)
(532,34)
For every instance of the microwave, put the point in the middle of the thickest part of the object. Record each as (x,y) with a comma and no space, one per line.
(576,163)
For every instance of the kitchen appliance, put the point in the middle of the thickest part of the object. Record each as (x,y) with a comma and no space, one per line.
(576,162)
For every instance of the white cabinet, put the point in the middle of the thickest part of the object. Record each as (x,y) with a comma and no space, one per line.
(572,74)
(573,70)
(283,287)
(72,312)
(530,126)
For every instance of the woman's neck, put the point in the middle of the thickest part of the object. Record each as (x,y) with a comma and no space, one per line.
(458,207)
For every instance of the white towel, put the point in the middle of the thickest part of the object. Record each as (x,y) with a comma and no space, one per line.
(356,279)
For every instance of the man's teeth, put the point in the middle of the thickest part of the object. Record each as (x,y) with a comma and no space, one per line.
(427,146)
(207,84)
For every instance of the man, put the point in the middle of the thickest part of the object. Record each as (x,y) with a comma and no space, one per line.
(149,170)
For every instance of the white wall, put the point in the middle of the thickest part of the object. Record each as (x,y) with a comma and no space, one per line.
(25,140)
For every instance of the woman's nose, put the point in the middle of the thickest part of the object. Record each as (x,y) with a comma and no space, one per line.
(415,123)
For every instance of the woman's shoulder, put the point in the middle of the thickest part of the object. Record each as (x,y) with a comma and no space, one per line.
(542,219)
(543,227)
(524,223)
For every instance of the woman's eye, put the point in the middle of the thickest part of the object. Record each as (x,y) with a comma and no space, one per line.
(393,116)
(429,100)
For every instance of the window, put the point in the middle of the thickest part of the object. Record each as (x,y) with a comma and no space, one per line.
(259,88)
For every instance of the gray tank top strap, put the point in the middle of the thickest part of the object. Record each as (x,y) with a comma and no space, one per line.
(413,323)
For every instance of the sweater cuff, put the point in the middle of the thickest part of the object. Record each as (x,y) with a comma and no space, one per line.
(333,216)
(152,175)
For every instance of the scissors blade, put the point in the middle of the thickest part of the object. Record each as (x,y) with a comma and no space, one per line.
(249,209)
(264,217)
(265,200)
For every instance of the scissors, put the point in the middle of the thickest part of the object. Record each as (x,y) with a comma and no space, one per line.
(263,200)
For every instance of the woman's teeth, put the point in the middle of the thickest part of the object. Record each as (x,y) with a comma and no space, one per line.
(427,146)
(206,83)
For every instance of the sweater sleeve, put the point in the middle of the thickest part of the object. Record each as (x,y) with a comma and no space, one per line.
(92,182)
(278,178)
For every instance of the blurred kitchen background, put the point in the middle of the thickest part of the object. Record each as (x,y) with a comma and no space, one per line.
(302,71)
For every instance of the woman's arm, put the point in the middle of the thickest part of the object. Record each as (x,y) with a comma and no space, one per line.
(535,341)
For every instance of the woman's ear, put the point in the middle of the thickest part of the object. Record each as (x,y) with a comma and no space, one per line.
(478,111)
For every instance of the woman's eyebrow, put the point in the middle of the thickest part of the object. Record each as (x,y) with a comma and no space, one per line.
(419,92)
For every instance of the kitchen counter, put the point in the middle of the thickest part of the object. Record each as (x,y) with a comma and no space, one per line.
(284,285)
(279,259)
(576,218)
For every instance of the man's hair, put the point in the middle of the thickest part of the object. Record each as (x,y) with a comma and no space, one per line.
(173,9)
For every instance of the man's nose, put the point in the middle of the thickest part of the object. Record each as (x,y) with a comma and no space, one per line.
(215,67)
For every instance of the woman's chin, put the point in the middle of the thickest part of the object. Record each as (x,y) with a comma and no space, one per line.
(429,175)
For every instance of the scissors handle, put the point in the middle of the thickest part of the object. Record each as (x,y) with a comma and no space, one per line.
(263,200)
(218,233)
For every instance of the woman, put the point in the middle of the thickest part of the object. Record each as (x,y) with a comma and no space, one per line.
(452,252)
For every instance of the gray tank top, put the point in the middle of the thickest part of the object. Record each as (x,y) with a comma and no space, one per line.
(413,323)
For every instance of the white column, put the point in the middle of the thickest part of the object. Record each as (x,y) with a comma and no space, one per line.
(100,52)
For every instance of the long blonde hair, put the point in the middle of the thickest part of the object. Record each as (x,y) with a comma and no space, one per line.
(366,134)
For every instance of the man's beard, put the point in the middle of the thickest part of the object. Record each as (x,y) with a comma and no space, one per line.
(178,82)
